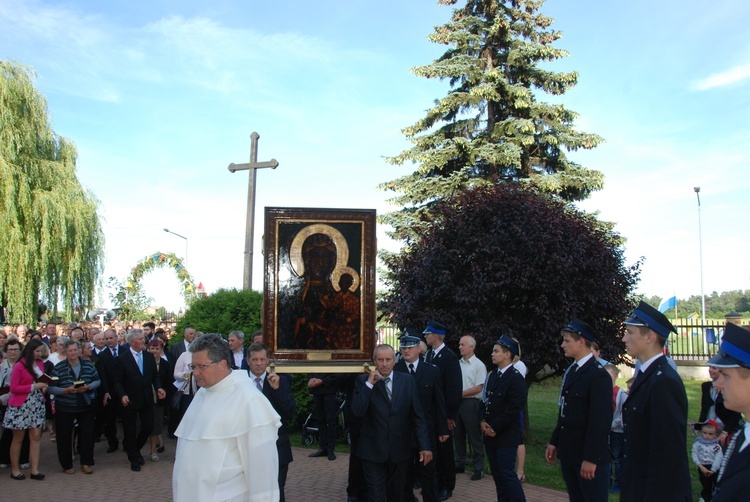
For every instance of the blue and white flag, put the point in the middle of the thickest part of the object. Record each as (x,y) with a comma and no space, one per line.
(668,303)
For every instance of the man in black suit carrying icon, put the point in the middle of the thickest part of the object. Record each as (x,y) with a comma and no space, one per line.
(391,415)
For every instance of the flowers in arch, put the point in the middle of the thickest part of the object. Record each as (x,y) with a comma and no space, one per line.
(161,260)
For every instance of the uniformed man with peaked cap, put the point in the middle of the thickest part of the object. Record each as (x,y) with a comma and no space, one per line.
(504,396)
(584,418)
(450,371)
(733,362)
(655,461)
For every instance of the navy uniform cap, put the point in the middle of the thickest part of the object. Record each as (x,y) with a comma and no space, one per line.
(509,343)
(409,341)
(411,332)
(578,326)
(646,315)
(410,337)
(734,351)
(435,328)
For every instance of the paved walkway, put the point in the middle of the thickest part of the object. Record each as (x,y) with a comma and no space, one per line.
(310,480)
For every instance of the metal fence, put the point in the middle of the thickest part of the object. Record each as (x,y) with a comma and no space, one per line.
(695,340)
(389,335)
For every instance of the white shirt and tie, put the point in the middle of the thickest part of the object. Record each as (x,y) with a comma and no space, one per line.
(138,359)
(413,366)
(259,380)
(747,436)
(387,381)
(238,358)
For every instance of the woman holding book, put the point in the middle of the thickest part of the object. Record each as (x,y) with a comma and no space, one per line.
(74,391)
(26,408)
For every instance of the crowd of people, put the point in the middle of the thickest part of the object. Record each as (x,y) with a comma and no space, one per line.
(75,381)
(421,417)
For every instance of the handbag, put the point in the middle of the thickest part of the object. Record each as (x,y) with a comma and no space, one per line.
(177,397)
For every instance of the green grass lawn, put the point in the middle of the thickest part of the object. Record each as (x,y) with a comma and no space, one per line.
(543,417)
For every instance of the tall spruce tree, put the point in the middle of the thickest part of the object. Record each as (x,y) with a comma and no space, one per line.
(51,243)
(491,127)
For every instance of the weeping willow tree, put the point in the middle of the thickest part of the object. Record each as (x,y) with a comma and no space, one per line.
(51,243)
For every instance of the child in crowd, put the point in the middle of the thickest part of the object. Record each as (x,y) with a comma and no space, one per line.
(708,456)
(616,434)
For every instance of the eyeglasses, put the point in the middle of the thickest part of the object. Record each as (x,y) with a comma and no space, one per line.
(201,367)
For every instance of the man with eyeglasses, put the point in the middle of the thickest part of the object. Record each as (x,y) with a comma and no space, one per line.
(217,453)
(137,378)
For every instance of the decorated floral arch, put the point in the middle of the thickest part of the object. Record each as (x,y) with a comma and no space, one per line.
(161,260)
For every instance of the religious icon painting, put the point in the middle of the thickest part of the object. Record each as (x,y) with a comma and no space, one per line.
(319,294)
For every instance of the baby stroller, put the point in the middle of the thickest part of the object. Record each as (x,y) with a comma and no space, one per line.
(310,428)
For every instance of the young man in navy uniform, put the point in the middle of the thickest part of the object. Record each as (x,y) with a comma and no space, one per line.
(450,370)
(430,391)
(504,396)
(654,416)
(391,412)
(584,418)
(733,362)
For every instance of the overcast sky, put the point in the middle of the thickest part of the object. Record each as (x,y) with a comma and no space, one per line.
(161,96)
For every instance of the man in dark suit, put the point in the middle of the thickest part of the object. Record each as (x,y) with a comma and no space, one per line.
(584,418)
(654,416)
(99,354)
(391,413)
(137,379)
(323,387)
(733,361)
(277,391)
(236,341)
(109,374)
(450,371)
(356,488)
(429,388)
(504,397)
(178,348)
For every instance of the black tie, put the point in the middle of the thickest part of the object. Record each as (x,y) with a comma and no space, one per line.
(571,369)
(638,376)
(411,368)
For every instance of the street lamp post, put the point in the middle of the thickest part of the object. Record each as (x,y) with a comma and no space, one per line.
(700,247)
(186,244)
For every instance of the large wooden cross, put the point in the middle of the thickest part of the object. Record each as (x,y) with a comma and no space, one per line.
(251,166)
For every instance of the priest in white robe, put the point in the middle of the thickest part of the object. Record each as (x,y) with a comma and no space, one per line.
(226,448)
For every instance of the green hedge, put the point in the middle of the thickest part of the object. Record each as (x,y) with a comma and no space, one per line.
(222,312)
